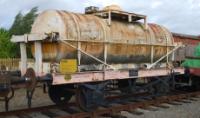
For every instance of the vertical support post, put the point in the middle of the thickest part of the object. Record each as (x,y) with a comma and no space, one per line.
(105,57)
(38,58)
(167,50)
(109,18)
(167,55)
(79,55)
(23,58)
(105,52)
(152,53)
(173,56)
(6,103)
(129,18)
(145,23)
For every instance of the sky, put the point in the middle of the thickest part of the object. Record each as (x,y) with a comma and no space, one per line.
(181,16)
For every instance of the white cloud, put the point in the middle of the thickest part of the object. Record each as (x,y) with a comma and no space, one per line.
(156,4)
(179,16)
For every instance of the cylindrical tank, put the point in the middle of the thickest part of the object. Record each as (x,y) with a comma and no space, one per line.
(126,42)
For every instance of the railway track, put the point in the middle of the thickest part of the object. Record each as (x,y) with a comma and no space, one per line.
(112,110)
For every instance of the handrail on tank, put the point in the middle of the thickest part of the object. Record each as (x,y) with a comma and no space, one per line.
(131,16)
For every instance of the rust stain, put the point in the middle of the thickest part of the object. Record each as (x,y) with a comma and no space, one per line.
(92,28)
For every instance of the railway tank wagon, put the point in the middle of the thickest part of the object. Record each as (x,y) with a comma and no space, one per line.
(93,32)
(94,53)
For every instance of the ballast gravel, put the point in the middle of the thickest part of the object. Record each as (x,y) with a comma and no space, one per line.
(190,109)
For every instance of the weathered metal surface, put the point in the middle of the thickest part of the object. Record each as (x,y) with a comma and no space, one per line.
(134,41)
(186,39)
(186,36)
(189,41)
(109,75)
(195,71)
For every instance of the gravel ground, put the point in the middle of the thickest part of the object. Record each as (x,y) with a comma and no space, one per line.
(19,101)
(183,110)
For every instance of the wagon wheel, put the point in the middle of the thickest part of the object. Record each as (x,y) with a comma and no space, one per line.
(127,86)
(84,101)
(123,86)
(160,88)
(60,94)
(195,83)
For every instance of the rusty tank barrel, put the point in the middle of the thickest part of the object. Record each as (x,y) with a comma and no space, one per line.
(127,42)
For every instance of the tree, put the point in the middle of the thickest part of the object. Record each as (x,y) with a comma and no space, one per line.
(28,20)
(17,25)
(5,44)
(22,25)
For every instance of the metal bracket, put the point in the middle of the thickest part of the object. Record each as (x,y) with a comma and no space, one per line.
(88,54)
(170,52)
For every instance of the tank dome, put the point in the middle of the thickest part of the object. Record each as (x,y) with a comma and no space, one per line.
(112,7)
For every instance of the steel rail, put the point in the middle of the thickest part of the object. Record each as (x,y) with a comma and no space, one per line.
(129,107)
(132,106)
